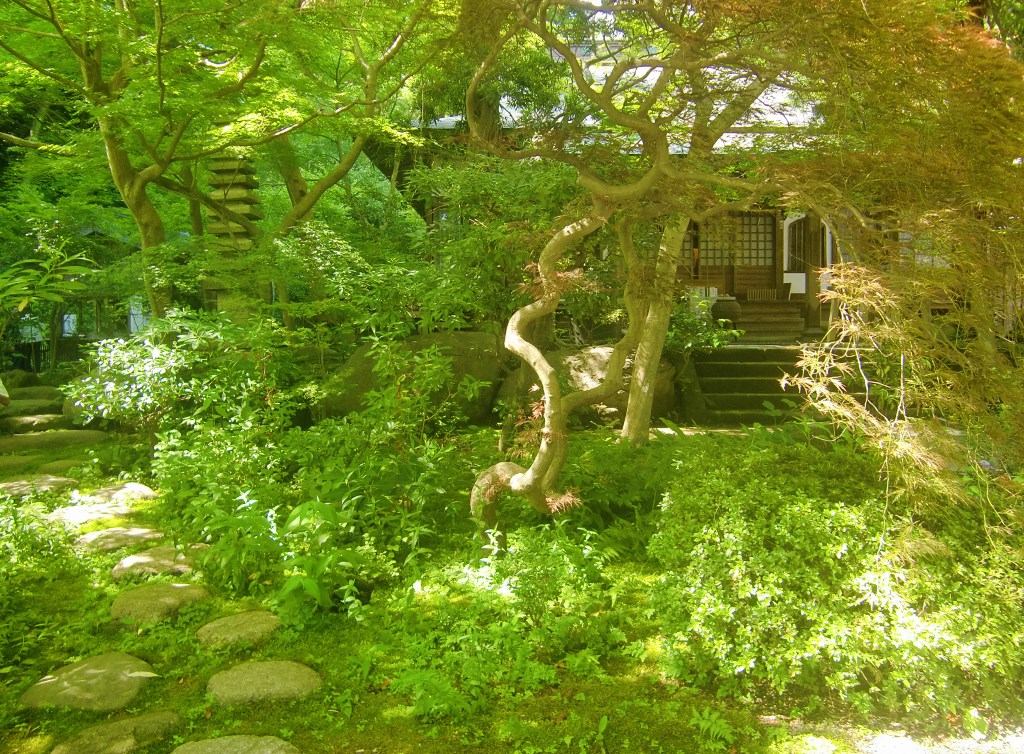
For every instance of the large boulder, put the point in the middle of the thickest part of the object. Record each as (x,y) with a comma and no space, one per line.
(476,354)
(585,369)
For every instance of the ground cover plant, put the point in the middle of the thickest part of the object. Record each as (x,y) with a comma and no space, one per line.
(708,583)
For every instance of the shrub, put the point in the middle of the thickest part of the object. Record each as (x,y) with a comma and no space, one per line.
(187,371)
(318,517)
(788,575)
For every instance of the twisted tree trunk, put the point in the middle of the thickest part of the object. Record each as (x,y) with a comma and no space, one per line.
(535,483)
(637,423)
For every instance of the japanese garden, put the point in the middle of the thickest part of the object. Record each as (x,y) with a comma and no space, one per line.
(523,376)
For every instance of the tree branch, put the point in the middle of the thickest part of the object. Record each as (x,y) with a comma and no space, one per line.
(59,149)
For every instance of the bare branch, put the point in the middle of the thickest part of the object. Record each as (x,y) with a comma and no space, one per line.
(59,149)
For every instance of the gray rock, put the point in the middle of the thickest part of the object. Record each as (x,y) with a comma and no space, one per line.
(263,681)
(475,354)
(31,406)
(238,745)
(251,627)
(154,602)
(117,537)
(152,562)
(18,425)
(105,682)
(122,736)
(77,515)
(18,378)
(63,466)
(37,393)
(120,493)
(585,369)
(37,483)
(55,439)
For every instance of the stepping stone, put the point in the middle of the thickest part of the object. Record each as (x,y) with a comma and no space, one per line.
(122,736)
(33,406)
(18,378)
(119,492)
(102,683)
(37,483)
(238,745)
(16,463)
(153,562)
(53,440)
(77,515)
(17,425)
(273,680)
(252,627)
(62,466)
(117,537)
(36,393)
(154,602)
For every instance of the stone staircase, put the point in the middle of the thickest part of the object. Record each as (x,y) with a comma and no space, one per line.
(38,442)
(771,322)
(737,381)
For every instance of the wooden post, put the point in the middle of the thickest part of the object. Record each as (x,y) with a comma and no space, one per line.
(815,264)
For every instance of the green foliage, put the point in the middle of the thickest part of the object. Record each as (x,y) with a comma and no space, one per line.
(788,574)
(692,328)
(32,550)
(716,733)
(51,278)
(491,215)
(187,371)
(322,517)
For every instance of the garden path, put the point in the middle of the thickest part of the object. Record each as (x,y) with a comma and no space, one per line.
(112,681)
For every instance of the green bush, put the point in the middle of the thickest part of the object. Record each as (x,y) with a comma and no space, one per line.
(318,517)
(33,551)
(789,576)
(187,371)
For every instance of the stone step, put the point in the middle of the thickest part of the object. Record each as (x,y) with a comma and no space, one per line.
(122,735)
(775,354)
(155,602)
(17,425)
(15,464)
(765,385)
(32,406)
(53,440)
(239,745)
(99,684)
(745,418)
(749,401)
(36,483)
(772,337)
(746,369)
(261,681)
(17,378)
(36,393)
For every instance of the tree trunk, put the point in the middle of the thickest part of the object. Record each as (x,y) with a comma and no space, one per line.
(132,186)
(535,483)
(653,333)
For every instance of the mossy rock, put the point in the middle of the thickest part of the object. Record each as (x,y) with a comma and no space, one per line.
(584,369)
(474,354)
